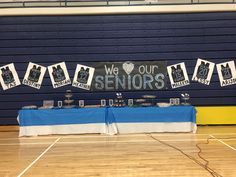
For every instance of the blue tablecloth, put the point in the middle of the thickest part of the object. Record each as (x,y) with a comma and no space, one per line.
(152,119)
(107,120)
(152,114)
(61,116)
(62,121)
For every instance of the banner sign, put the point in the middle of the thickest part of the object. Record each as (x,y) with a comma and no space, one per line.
(178,75)
(59,75)
(83,77)
(227,73)
(129,75)
(34,75)
(203,71)
(9,77)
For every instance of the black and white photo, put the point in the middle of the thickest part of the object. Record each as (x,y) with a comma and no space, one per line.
(227,73)
(59,75)
(34,75)
(203,71)
(83,77)
(178,75)
(9,77)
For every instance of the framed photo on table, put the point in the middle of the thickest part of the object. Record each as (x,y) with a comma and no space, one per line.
(174,101)
(130,102)
(111,102)
(103,103)
(48,103)
(81,103)
(59,104)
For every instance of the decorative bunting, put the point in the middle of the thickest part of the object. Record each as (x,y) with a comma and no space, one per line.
(83,77)
(203,71)
(127,75)
(178,75)
(59,75)
(34,75)
(227,73)
(9,77)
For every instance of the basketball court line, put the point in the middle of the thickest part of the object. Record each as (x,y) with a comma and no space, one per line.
(31,138)
(17,144)
(27,168)
(80,142)
(120,135)
(223,142)
(140,135)
(108,141)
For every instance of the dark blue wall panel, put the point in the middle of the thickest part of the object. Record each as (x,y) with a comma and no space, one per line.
(85,39)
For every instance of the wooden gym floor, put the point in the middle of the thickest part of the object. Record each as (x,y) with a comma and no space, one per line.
(130,155)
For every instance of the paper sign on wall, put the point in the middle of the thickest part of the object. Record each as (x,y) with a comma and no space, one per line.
(83,77)
(129,75)
(9,77)
(227,73)
(178,75)
(203,71)
(34,75)
(59,75)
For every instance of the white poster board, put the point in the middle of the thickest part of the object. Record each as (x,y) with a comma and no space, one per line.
(59,75)
(34,75)
(227,73)
(83,77)
(9,77)
(203,71)
(178,75)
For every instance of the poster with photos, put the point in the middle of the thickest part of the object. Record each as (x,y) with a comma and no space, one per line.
(83,77)
(203,71)
(227,73)
(178,75)
(9,77)
(59,75)
(34,75)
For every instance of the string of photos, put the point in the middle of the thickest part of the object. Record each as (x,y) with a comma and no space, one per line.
(112,76)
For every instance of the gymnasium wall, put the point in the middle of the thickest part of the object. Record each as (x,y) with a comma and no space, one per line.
(85,39)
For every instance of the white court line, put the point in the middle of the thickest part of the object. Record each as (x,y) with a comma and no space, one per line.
(80,136)
(31,138)
(119,135)
(17,144)
(122,141)
(223,142)
(38,157)
(96,142)
(135,135)
(78,142)
(106,141)
(104,136)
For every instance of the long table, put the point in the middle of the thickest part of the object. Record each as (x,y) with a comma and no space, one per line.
(108,120)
